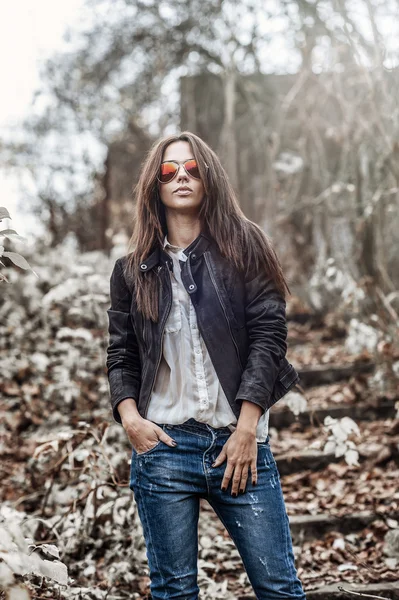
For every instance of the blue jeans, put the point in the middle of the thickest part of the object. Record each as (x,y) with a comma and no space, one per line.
(168,484)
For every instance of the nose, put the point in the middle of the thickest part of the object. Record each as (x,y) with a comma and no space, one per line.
(181,174)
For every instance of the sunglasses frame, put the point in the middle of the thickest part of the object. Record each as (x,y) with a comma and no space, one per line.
(177,170)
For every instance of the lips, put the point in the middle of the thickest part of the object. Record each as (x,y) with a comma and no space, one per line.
(183,189)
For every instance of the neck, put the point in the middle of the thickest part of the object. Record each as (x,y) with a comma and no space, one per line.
(183,229)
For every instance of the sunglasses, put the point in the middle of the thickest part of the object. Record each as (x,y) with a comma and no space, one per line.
(170,168)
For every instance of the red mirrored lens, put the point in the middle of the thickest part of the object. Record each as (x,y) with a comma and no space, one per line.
(167,171)
(192,168)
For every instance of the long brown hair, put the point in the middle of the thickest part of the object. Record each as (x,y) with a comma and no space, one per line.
(239,240)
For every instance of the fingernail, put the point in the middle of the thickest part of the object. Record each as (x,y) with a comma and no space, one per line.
(224,489)
(174,443)
(214,464)
(234,495)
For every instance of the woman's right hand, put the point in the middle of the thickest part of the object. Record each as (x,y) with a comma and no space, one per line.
(144,434)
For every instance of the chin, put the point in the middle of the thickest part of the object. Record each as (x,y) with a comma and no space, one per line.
(184,202)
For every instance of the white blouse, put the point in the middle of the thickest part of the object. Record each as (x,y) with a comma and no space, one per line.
(186,384)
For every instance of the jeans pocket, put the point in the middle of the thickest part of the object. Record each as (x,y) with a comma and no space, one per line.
(149,450)
(146,451)
(267,454)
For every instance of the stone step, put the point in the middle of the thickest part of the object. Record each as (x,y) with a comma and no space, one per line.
(315,460)
(311,527)
(294,462)
(281,418)
(322,374)
(336,591)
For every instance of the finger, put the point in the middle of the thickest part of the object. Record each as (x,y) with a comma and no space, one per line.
(244,479)
(228,472)
(220,459)
(236,480)
(254,472)
(164,437)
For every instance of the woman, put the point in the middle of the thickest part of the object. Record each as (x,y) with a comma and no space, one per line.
(196,358)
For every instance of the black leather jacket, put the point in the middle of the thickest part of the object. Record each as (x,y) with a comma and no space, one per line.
(241,319)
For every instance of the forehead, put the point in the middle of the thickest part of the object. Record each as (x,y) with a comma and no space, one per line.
(179,151)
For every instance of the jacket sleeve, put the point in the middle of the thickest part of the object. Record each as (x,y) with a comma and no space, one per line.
(267,331)
(123,358)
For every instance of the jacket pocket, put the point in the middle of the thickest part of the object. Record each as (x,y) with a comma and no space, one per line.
(286,379)
(288,376)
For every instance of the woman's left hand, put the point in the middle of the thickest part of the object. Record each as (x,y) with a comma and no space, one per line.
(241,451)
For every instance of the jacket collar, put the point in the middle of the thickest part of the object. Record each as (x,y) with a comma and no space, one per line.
(193,251)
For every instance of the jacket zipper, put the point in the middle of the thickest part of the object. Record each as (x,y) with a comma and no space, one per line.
(223,307)
(160,353)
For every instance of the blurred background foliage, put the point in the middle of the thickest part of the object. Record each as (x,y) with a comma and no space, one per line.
(299,99)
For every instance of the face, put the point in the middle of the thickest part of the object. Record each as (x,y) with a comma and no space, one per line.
(185,201)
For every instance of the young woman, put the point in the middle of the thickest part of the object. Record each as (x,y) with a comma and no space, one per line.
(196,358)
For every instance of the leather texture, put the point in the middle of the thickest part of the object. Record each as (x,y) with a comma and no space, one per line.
(241,318)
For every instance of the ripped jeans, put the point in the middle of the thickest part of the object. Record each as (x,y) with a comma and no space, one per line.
(168,484)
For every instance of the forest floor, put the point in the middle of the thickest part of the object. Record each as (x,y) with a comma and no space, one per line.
(64,468)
